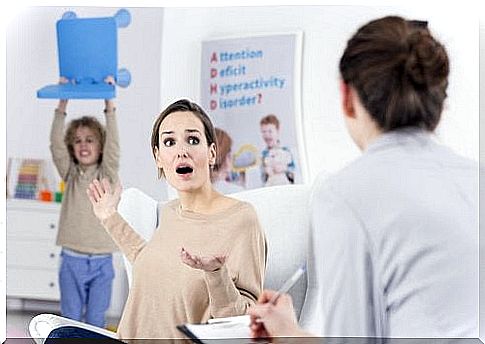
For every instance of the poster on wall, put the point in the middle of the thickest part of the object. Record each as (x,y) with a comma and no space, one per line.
(250,87)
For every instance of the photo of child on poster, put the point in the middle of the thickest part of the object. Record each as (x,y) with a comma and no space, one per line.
(250,88)
(277,162)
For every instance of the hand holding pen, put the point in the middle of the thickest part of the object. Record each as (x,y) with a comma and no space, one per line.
(288,284)
(274,315)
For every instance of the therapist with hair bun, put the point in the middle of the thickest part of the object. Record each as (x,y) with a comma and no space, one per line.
(394,240)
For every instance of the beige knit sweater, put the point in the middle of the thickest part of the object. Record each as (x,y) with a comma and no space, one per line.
(165,292)
(79,229)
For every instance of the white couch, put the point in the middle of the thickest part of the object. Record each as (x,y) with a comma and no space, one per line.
(283,215)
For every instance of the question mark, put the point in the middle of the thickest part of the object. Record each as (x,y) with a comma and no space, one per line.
(259,97)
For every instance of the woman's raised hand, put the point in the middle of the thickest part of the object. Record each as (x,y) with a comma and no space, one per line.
(208,264)
(104,200)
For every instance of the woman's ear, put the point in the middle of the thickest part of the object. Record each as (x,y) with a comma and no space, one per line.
(347,93)
(212,154)
(157,157)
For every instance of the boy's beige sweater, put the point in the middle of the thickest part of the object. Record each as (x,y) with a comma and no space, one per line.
(79,229)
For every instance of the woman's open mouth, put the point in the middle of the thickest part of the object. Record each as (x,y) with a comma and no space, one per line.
(184,170)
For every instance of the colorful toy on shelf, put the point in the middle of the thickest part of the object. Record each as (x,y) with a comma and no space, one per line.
(88,53)
(45,195)
(28,179)
(59,194)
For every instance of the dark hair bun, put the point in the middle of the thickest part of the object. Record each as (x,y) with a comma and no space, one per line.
(400,72)
(427,63)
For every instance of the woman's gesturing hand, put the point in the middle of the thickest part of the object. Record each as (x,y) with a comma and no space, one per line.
(104,200)
(209,264)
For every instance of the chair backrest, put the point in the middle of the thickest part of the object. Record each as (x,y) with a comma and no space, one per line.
(283,215)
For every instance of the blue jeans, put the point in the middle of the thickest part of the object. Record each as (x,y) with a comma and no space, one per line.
(85,283)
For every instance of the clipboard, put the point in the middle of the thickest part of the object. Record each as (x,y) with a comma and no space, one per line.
(220,330)
(233,329)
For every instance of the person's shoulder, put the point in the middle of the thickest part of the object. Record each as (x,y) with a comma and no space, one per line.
(452,158)
(247,207)
(236,205)
(245,219)
(356,175)
(345,174)
(240,209)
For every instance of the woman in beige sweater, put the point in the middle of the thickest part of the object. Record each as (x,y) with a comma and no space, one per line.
(207,258)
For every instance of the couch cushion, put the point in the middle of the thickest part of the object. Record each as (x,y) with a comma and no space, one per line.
(283,215)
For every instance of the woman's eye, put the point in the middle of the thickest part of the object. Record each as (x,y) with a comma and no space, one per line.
(76,142)
(193,140)
(168,142)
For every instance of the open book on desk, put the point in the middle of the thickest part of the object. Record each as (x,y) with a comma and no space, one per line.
(220,331)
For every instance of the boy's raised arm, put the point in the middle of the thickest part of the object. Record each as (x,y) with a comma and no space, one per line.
(60,154)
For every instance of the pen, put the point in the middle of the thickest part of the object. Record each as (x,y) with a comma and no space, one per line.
(289,283)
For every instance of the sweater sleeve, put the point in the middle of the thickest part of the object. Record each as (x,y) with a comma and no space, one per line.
(111,151)
(60,154)
(230,296)
(127,239)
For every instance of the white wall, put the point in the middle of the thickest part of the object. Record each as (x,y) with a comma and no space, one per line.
(32,64)
(161,48)
(326,30)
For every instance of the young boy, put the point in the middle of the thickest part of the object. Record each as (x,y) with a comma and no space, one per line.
(278,167)
(85,152)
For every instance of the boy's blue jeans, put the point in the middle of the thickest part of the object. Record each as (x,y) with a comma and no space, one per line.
(85,282)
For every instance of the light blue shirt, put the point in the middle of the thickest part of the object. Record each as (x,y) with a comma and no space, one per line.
(394,243)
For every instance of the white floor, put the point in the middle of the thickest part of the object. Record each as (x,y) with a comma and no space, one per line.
(18,323)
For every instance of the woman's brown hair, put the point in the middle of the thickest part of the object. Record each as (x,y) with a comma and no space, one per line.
(399,71)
